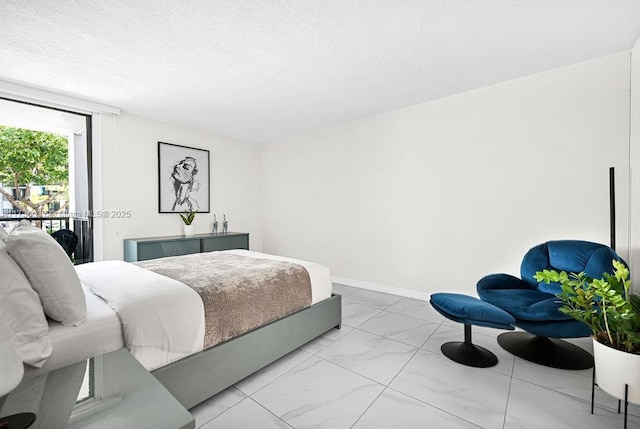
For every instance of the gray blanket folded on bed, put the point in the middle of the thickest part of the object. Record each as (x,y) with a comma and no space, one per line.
(239,293)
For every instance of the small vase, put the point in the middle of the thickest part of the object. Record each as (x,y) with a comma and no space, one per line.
(614,369)
(189,229)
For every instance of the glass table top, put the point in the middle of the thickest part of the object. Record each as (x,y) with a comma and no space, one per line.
(109,391)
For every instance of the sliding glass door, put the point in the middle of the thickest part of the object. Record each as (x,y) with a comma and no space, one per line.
(45,173)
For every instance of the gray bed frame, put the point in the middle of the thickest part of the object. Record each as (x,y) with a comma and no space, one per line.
(198,377)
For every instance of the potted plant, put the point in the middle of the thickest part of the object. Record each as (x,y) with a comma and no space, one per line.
(612,311)
(187,218)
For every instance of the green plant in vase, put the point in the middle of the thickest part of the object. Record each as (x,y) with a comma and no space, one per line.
(606,304)
(188,217)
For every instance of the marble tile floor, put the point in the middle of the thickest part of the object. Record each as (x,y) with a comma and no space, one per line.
(384,369)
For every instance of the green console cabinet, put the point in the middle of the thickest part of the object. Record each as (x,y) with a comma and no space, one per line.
(142,249)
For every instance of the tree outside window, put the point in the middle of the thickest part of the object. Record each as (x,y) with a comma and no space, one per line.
(34,171)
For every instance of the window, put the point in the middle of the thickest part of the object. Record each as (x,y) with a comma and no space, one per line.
(48,180)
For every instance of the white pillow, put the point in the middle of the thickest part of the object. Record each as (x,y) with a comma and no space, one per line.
(3,233)
(22,320)
(50,273)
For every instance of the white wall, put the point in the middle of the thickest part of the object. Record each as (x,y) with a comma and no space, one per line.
(128,180)
(434,196)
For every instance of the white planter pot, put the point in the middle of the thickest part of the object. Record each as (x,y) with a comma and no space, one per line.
(189,229)
(614,368)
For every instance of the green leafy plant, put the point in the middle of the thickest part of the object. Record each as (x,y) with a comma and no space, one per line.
(606,304)
(188,217)
(29,160)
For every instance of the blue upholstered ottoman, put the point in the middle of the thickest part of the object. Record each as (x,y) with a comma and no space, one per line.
(470,311)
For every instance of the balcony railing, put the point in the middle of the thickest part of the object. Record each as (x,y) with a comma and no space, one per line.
(80,226)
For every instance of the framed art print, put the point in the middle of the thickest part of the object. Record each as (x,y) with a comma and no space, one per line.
(183,179)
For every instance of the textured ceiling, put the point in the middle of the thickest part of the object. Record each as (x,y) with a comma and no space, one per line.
(265,69)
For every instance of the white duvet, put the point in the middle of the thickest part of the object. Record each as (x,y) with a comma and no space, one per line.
(162,319)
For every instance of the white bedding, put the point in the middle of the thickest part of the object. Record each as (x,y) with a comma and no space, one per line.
(162,319)
(100,333)
(158,319)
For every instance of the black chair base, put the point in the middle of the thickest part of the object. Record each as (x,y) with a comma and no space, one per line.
(467,353)
(551,352)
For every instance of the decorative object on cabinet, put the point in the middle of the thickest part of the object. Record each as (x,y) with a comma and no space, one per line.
(187,218)
(183,179)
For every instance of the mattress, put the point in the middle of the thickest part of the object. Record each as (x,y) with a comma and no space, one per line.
(100,333)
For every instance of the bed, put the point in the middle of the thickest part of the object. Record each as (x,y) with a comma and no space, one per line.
(191,369)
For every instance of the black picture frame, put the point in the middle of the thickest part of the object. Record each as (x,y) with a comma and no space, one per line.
(183,179)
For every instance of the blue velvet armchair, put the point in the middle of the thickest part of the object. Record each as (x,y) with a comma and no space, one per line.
(536,308)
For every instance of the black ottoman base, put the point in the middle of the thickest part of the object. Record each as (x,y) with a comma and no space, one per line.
(467,353)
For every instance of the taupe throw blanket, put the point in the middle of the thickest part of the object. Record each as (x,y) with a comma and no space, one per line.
(239,293)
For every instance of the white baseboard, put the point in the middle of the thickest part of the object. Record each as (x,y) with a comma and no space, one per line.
(407,293)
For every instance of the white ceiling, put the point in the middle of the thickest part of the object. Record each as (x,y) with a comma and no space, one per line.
(261,70)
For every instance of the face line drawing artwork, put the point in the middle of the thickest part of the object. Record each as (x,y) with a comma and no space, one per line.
(184,178)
